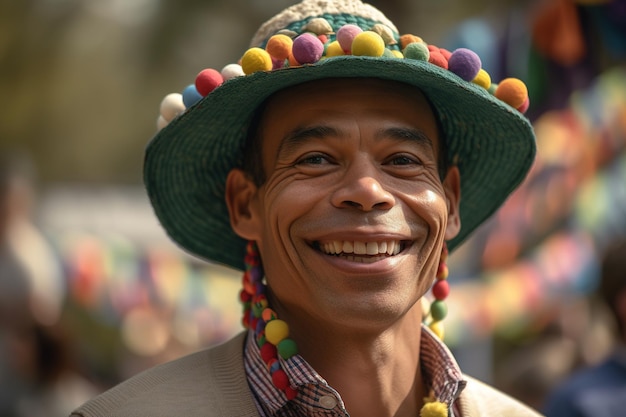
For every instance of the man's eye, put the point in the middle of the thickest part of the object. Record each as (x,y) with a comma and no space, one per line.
(403,160)
(313,160)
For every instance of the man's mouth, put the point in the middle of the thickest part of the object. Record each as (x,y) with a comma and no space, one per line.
(357,251)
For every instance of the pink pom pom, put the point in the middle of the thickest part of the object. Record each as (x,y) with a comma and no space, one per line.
(307,49)
(208,80)
(464,63)
(345,36)
(524,107)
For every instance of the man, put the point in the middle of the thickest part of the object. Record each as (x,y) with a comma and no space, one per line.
(331,170)
(600,391)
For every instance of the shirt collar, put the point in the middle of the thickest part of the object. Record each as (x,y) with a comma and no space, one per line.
(440,371)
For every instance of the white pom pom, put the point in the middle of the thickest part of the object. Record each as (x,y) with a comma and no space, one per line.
(161,123)
(171,106)
(232,71)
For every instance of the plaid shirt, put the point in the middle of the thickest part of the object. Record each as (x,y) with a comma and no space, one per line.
(317,398)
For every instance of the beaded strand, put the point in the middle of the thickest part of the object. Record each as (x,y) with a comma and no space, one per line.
(440,291)
(271,334)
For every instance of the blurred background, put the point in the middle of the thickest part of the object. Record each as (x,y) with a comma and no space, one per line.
(91,289)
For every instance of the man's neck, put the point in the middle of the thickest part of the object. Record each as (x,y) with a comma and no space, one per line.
(375,373)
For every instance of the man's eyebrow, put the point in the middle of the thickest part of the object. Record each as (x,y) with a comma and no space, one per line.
(301,134)
(405,134)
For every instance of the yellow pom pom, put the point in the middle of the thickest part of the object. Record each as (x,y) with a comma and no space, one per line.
(397,53)
(334,49)
(483,79)
(279,46)
(437,328)
(512,91)
(275,331)
(434,409)
(368,43)
(256,59)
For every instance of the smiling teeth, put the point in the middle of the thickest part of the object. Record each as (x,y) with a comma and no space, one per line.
(361,248)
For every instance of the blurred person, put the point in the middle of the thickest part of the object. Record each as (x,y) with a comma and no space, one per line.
(338,187)
(600,391)
(14,286)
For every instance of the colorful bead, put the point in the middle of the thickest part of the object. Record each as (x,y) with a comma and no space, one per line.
(368,43)
(279,46)
(407,39)
(512,91)
(280,379)
(437,328)
(307,49)
(208,80)
(441,289)
(287,348)
(434,409)
(417,50)
(482,79)
(334,49)
(345,36)
(276,330)
(171,106)
(191,95)
(438,310)
(464,63)
(231,71)
(268,352)
(256,59)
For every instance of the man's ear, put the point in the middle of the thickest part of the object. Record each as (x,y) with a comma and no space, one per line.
(242,203)
(452,190)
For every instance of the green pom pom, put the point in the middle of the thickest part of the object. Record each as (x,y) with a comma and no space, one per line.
(417,50)
(438,310)
(287,348)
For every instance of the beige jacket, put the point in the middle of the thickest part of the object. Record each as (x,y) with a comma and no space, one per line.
(183,388)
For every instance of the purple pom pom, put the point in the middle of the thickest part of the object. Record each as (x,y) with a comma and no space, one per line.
(464,63)
(307,48)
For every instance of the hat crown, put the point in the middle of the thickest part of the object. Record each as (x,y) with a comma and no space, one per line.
(308,9)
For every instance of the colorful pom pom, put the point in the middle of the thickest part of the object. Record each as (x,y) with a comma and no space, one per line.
(287,348)
(417,50)
(437,328)
(279,46)
(464,63)
(171,106)
(276,330)
(512,91)
(256,59)
(231,71)
(482,79)
(161,122)
(406,39)
(191,95)
(307,49)
(368,43)
(208,80)
(438,310)
(438,59)
(334,49)
(345,36)
(441,289)
(268,352)
(280,379)
(524,107)
(434,409)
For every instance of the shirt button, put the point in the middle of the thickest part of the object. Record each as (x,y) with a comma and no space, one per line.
(328,401)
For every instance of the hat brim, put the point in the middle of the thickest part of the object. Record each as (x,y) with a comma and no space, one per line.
(187,162)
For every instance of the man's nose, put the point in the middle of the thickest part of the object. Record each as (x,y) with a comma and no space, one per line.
(362,189)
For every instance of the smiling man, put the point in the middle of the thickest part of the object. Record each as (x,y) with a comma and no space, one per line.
(335,170)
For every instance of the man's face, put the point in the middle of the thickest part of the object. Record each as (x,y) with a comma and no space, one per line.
(352,215)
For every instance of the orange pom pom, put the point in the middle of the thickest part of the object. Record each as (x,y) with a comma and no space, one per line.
(512,91)
(279,46)
(407,39)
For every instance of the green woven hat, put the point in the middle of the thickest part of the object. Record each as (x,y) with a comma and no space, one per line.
(204,129)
